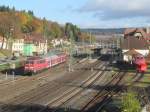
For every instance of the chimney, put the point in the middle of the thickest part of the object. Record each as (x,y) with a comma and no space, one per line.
(147,30)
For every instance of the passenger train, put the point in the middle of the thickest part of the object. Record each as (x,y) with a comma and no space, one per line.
(36,64)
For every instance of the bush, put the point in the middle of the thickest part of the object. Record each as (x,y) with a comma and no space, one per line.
(130,103)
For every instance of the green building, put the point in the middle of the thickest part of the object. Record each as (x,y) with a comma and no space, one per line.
(29,49)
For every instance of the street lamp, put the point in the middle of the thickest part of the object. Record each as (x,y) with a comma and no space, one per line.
(90,54)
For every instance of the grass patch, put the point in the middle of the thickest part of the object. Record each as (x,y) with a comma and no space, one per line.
(4,67)
(2,55)
(7,66)
(5,53)
(144,81)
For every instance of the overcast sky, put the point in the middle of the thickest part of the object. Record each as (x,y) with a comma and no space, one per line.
(89,13)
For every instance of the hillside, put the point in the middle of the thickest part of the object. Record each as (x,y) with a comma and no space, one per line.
(18,24)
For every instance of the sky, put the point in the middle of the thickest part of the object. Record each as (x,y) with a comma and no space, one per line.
(89,13)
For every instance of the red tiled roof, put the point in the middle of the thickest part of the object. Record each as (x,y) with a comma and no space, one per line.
(129,31)
(35,38)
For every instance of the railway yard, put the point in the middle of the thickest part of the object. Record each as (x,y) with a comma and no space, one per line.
(92,86)
(74,56)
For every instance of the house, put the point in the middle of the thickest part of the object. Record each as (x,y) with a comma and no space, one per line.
(59,42)
(18,46)
(137,40)
(35,44)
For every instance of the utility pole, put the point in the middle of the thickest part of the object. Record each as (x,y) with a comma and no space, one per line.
(90,46)
(71,49)
(10,39)
(44,35)
(83,46)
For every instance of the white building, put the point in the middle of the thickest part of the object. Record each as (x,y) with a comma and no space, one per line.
(57,42)
(18,46)
(41,47)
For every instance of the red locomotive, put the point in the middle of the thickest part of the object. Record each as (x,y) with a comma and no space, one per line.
(140,63)
(36,64)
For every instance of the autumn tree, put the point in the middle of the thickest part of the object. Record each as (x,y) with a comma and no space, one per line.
(31,13)
(10,26)
(56,30)
(15,24)
(26,22)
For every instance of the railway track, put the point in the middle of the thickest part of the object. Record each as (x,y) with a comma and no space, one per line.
(28,82)
(70,94)
(82,107)
(104,96)
(109,94)
(38,75)
(26,98)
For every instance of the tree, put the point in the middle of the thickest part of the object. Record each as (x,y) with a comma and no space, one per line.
(26,22)
(30,13)
(4,9)
(9,28)
(130,103)
(27,28)
(75,30)
(56,30)
(13,9)
(5,24)
(45,28)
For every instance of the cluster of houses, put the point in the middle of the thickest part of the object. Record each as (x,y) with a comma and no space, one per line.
(136,41)
(30,45)
(27,46)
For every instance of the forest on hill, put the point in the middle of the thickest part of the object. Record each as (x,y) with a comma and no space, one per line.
(17,24)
